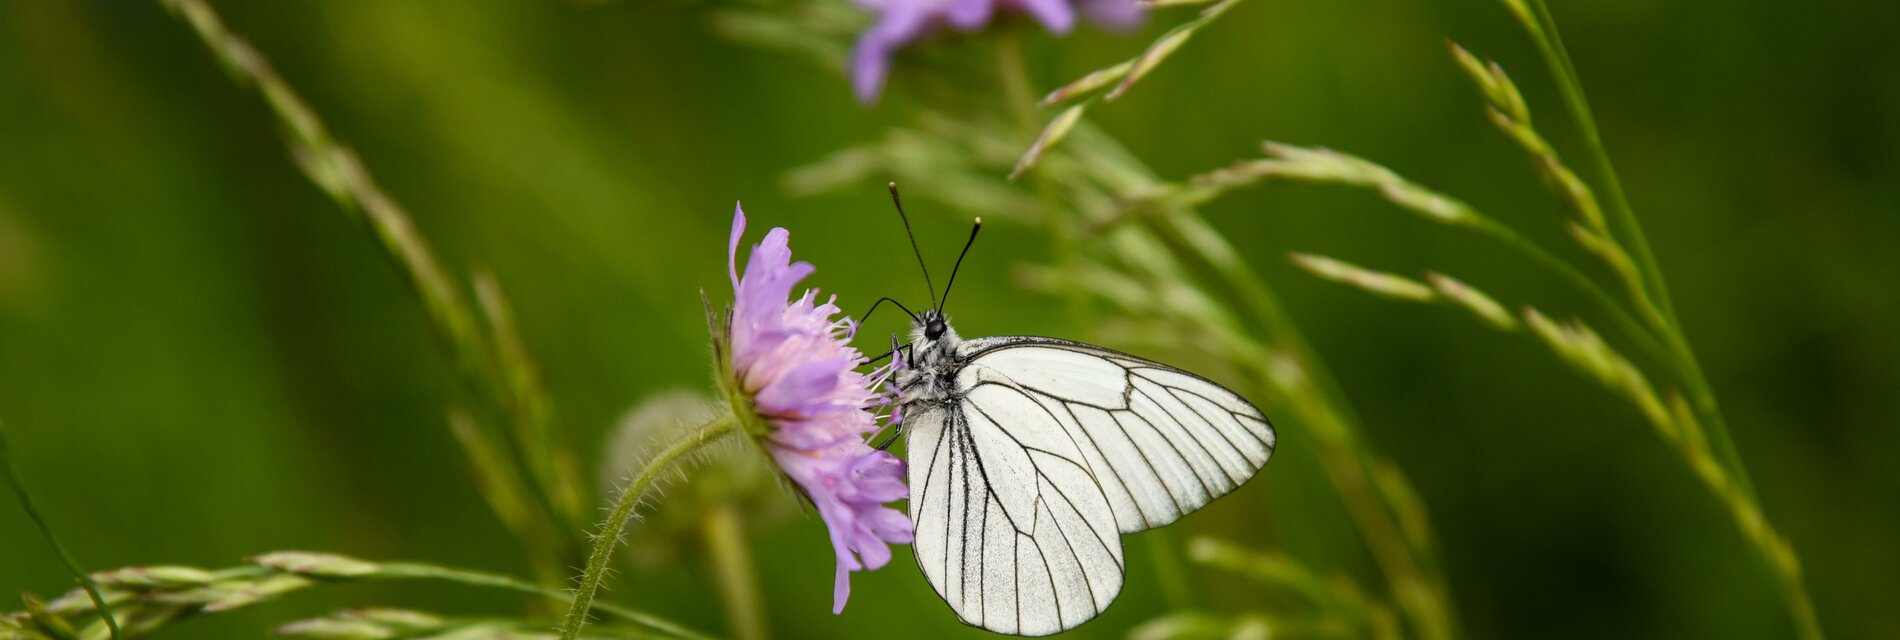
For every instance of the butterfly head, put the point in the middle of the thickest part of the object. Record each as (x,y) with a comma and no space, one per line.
(933,324)
(932,338)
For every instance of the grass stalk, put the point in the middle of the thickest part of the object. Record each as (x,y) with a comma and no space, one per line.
(52,540)
(1170,571)
(724,533)
(158,595)
(1013,73)
(630,498)
(1417,586)
(1324,166)
(1537,21)
(1738,490)
(483,347)
(412,571)
(1347,464)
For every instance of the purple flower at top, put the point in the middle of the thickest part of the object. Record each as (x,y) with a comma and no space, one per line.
(901,21)
(796,365)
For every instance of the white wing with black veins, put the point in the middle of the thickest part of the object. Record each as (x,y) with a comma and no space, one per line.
(1048,450)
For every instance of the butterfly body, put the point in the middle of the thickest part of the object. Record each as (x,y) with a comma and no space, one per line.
(924,381)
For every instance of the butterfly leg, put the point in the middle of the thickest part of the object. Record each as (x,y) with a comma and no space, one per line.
(891,439)
(894,349)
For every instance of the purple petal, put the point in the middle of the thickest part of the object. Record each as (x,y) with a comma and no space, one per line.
(1055,15)
(903,22)
(732,246)
(801,387)
(1116,15)
(891,525)
(968,15)
(795,361)
(841,591)
(875,553)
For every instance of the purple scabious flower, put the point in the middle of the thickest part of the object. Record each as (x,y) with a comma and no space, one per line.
(901,21)
(791,374)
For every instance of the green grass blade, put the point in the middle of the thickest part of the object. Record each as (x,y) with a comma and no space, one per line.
(65,557)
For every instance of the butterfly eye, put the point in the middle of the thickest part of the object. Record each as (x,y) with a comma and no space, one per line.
(935,329)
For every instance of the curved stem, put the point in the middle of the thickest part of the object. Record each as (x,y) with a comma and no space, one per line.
(1170,572)
(1418,587)
(1550,43)
(1558,59)
(334,167)
(732,569)
(412,570)
(65,557)
(1410,570)
(1543,29)
(1643,336)
(1013,71)
(609,535)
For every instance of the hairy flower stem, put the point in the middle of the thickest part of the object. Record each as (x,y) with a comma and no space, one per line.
(65,557)
(609,535)
(1733,486)
(732,568)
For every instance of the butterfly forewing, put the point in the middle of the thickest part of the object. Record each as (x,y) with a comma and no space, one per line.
(1162,442)
(1046,450)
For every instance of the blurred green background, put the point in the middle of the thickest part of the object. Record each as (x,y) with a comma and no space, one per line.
(202,357)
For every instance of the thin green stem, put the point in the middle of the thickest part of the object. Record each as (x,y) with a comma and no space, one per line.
(1013,72)
(724,532)
(1542,27)
(1169,570)
(1415,582)
(268,581)
(415,570)
(1543,30)
(1416,585)
(1558,59)
(1636,330)
(46,530)
(609,535)
(335,168)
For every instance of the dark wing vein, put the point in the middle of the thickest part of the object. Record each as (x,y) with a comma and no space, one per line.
(1139,510)
(1196,438)
(1190,431)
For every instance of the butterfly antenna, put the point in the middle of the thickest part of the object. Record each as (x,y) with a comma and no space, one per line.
(913,245)
(977,226)
(900,306)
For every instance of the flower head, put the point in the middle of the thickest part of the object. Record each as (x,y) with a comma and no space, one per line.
(901,21)
(792,366)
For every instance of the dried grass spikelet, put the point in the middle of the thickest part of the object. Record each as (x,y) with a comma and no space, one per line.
(1378,283)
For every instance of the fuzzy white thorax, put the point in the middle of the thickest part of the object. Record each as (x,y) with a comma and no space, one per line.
(925,378)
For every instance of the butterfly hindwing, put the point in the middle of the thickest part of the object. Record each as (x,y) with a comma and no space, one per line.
(1012,528)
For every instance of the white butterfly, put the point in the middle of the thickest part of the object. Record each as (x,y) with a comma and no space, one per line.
(1029,457)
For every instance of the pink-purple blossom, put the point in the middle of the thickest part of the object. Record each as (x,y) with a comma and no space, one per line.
(901,21)
(795,363)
